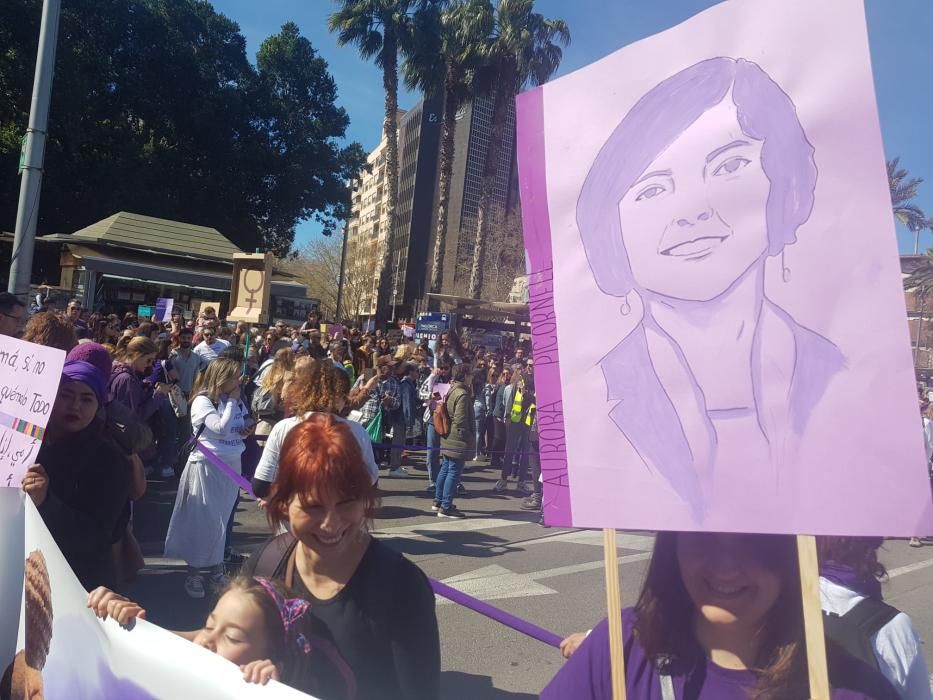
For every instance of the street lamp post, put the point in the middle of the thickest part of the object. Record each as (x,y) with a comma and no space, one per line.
(27,212)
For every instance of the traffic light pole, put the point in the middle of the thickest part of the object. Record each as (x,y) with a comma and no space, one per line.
(27,212)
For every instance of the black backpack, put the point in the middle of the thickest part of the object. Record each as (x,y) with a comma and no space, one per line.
(853,631)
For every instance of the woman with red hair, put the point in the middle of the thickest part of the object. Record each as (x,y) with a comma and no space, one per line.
(377,606)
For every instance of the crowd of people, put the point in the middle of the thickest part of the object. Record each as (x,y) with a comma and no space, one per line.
(315,420)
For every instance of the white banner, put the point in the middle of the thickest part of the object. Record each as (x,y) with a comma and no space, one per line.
(74,655)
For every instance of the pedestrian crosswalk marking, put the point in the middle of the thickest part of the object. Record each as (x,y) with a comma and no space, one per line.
(438,525)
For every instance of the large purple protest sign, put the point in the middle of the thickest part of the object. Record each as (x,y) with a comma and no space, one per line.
(712,203)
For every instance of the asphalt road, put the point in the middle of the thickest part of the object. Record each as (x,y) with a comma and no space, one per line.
(550,576)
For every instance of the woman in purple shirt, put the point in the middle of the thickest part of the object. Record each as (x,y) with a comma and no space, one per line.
(719,618)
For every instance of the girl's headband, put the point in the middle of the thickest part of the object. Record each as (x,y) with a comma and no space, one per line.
(291,610)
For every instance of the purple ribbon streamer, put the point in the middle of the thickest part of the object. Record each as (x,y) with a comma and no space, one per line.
(237,479)
(516,623)
(442,589)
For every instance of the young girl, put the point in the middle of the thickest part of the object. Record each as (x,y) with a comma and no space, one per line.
(719,616)
(259,625)
(206,496)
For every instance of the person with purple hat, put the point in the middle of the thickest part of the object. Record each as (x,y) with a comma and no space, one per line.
(81,480)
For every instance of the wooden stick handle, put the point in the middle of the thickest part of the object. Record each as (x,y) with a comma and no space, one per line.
(614,605)
(813,617)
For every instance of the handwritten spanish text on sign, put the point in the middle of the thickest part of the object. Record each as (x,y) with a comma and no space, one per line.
(29,377)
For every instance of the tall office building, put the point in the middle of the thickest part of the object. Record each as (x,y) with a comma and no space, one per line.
(411,244)
(419,141)
(474,123)
(368,229)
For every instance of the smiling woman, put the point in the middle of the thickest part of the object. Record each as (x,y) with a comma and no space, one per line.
(706,177)
(376,605)
(719,616)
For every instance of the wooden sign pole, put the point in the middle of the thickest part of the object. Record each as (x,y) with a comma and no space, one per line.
(813,617)
(614,605)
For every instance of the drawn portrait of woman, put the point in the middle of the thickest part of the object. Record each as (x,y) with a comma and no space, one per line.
(705,178)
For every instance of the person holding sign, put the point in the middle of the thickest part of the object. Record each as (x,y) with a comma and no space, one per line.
(81,480)
(719,617)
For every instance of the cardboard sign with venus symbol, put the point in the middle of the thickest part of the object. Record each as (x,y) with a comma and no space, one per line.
(249,288)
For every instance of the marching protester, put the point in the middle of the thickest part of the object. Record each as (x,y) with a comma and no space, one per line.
(12,314)
(503,392)
(206,496)
(490,389)
(533,501)
(46,328)
(165,422)
(516,401)
(133,361)
(186,362)
(427,394)
(860,622)
(81,479)
(315,387)
(268,406)
(73,314)
(458,444)
(210,345)
(719,616)
(388,394)
(479,409)
(375,604)
(450,349)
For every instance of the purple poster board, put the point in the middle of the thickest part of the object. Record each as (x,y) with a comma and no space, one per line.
(724,229)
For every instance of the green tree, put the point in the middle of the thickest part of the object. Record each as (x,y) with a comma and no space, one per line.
(381,29)
(446,51)
(523,48)
(903,190)
(157,110)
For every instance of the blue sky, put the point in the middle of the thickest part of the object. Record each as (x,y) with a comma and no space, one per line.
(900,34)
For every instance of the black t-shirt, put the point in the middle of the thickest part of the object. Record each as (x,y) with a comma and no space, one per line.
(383,624)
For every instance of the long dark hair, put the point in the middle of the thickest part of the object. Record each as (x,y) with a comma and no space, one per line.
(665,613)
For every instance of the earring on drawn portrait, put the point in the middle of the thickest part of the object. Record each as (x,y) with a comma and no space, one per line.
(785,271)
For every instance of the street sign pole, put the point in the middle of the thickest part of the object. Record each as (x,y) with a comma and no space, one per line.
(34,153)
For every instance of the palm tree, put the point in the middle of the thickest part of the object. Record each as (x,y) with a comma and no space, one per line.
(903,190)
(521,49)
(380,29)
(444,55)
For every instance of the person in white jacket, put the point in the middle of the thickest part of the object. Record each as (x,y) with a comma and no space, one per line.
(855,617)
(206,495)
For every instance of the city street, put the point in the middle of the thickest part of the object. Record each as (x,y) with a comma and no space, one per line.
(550,576)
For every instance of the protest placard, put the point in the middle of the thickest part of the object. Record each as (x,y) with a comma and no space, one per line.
(163,309)
(29,377)
(747,365)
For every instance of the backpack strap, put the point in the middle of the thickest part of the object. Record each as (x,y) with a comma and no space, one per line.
(853,631)
(869,616)
(274,554)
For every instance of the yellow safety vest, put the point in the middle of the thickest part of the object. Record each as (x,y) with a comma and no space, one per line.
(515,415)
(530,418)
